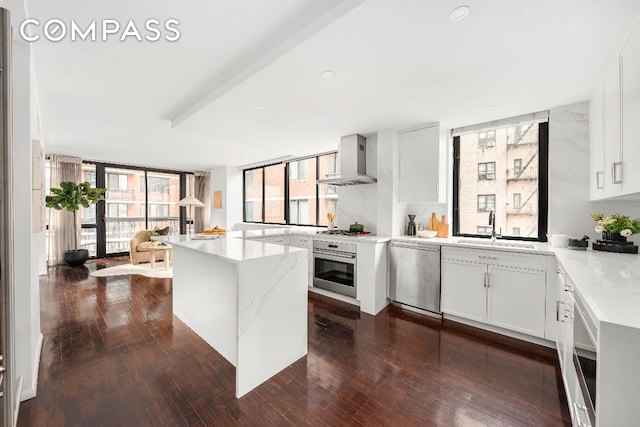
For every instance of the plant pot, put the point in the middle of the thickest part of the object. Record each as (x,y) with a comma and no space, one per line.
(613,237)
(76,257)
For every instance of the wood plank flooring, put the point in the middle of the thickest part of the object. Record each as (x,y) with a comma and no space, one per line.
(114,355)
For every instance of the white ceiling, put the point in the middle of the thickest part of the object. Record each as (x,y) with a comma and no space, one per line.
(190,104)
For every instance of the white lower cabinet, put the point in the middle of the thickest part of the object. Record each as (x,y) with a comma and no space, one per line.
(482,286)
(516,299)
(463,292)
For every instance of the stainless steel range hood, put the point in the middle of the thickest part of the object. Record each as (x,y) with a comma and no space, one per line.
(352,153)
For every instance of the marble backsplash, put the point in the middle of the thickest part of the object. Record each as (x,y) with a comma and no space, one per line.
(569,204)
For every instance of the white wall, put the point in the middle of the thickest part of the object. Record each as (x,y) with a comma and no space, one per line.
(227,179)
(26,250)
(569,205)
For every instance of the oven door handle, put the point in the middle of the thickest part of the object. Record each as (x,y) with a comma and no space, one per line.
(332,256)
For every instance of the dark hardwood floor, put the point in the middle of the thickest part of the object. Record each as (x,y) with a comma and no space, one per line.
(114,355)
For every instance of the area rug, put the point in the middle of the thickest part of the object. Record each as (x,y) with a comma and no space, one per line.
(142,269)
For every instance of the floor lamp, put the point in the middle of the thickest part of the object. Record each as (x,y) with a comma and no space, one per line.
(190,202)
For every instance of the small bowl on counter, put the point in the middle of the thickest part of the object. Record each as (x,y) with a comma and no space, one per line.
(427,234)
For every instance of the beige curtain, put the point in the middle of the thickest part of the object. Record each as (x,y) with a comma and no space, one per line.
(201,190)
(61,229)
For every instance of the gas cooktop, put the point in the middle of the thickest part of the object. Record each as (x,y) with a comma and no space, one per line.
(345,233)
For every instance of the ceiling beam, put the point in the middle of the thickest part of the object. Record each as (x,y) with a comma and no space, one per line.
(266,54)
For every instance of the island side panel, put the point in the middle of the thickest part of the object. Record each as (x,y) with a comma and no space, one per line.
(272,324)
(618,376)
(371,277)
(204,298)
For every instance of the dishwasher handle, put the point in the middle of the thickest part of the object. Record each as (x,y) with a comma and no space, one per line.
(416,246)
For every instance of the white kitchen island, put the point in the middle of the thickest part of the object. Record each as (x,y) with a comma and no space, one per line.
(246,299)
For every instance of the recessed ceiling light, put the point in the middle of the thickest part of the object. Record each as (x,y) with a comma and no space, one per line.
(258,107)
(459,13)
(328,75)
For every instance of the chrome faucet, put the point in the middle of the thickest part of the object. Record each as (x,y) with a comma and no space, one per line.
(492,223)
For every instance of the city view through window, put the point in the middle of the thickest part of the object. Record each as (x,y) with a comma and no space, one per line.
(498,171)
(308,202)
(136,199)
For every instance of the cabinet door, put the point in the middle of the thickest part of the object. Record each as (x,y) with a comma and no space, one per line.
(630,63)
(419,164)
(463,290)
(516,299)
(612,147)
(596,154)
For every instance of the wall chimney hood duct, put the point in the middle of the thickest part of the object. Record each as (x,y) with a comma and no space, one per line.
(352,153)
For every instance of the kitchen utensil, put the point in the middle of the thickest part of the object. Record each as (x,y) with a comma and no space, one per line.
(356,228)
(411,226)
(443,227)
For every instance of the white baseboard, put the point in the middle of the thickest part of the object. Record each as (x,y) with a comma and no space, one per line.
(30,393)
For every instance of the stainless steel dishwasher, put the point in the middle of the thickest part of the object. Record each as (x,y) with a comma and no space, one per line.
(415,275)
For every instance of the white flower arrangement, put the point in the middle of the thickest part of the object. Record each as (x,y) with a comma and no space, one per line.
(616,223)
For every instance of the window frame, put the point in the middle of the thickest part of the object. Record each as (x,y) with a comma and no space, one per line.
(485,176)
(287,198)
(486,204)
(543,188)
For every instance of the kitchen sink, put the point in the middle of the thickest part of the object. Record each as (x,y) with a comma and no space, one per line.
(500,243)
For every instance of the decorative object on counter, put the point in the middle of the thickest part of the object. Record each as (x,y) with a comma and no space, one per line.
(411,226)
(560,240)
(440,226)
(615,229)
(214,230)
(429,234)
(330,218)
(356,228)
(578,245)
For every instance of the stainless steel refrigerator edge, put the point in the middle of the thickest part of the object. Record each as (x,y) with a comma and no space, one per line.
(414,277)
(6,226)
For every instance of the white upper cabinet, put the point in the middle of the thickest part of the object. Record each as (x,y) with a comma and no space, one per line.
(630,66)
(615,127)
(596,113)
(419,152)
(612,145)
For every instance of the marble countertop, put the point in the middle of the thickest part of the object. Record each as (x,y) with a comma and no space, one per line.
(230,247)
(484,244)
(609,283)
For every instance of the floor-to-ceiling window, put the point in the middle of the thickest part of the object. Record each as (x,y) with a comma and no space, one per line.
(288,192)
(137,198)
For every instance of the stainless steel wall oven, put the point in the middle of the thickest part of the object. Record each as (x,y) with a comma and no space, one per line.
(334,267)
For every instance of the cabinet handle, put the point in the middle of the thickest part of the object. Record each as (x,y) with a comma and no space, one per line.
(567,287)
(486,280)
(558,270)
(615,177)
(487,257)
(578,407)
(600,180)
(558,311)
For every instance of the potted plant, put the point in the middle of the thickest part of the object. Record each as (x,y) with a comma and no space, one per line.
(71,196)
(615,227)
